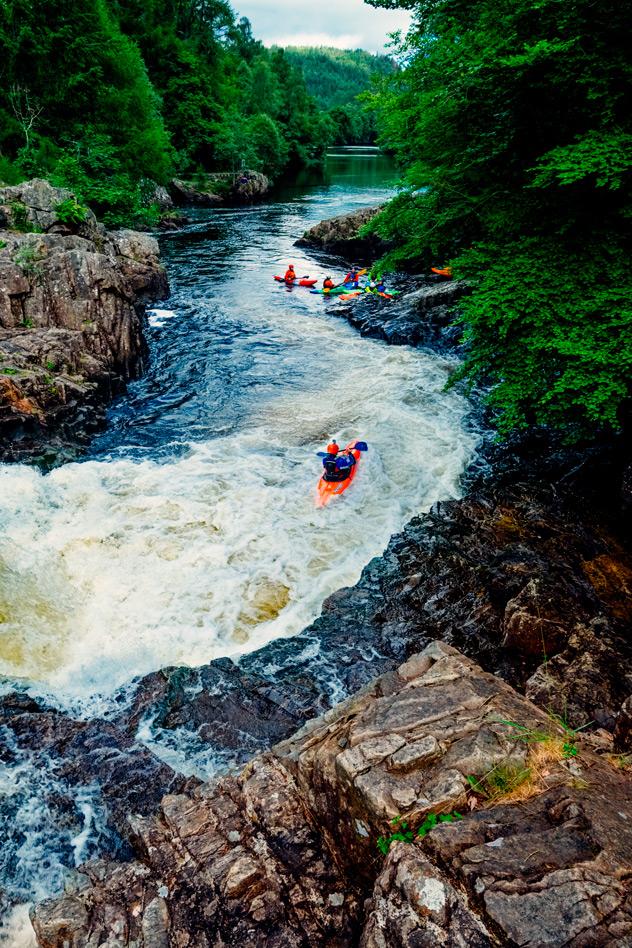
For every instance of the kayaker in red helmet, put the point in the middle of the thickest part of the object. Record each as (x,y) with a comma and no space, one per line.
(332,447)
(290,275)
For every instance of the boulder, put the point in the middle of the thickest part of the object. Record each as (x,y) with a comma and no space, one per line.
(423,315)
(185,195)
(340,236)
(34,206)
(286,853)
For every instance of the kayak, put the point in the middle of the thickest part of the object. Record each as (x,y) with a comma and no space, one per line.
(327,490)
(303,282)
(350,296)
(445,272)
(335,290)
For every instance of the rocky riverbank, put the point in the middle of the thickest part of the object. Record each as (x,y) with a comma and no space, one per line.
(287,853)
(72,300)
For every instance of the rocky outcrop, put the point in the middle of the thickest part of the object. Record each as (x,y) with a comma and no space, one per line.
(340,236)
(286,853)
(213,190)
(424,314)
(71,317)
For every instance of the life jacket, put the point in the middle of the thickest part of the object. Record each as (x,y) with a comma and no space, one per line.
(290,276)
(328,284)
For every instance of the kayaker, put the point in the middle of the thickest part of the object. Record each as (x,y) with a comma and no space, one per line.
(290,275)
(332,448)
(352,276)
(338,467)
(328,283)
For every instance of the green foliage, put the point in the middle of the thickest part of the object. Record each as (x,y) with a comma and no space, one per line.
(100,96)
(570,735)
(336,77)
(70,211)
(19,218)
(403,833)
(3,244)
(27,258)
(512,126)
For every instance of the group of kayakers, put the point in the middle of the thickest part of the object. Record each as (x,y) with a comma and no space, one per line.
(351,281)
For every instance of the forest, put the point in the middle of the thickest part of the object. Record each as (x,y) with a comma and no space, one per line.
(512,124)
(337,78)
(108,96)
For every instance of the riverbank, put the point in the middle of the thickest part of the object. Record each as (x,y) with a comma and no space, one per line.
(72,298)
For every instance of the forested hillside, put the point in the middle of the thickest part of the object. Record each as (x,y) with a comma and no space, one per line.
(335,77)
(513,125)
(100,95)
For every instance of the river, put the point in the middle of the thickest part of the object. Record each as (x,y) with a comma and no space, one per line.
(189,530)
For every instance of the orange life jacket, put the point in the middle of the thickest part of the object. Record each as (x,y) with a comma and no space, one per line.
(290,276)
(328,284)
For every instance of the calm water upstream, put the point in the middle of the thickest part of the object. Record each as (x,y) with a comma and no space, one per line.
(190,530)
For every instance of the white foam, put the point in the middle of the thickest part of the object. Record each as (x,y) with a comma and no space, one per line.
(113,569)
(158,317)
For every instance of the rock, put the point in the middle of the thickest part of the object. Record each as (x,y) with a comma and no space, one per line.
(95,753)
(249,186)
(71,321)
(588,680)
(157,194)
(185,195)
(623,728)
(212,190)
(421,317)
(285,854)
(33,205)
(340,236)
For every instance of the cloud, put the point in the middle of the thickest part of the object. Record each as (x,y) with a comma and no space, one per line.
(347,24)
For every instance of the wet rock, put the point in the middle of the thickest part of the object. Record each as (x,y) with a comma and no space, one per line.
(95,753)
(285,854)
(422,316)
(340,236)
(71,320)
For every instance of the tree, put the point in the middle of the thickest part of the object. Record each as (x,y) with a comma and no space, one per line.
(512,123)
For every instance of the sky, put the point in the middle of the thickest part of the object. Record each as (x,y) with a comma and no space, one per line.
(348,24)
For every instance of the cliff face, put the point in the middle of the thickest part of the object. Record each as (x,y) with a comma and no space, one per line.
(71,317)
(286,854)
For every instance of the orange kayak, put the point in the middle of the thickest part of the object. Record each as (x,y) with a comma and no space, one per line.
(327,490)
(445,272)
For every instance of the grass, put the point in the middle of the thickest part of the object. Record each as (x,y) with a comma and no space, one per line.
(548,751)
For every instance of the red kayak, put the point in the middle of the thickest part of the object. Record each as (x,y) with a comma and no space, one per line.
(303,282)
(327,490)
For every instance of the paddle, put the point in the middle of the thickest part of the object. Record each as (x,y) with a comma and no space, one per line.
(358,446)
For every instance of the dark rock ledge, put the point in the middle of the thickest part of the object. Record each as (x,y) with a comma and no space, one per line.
(71,319)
